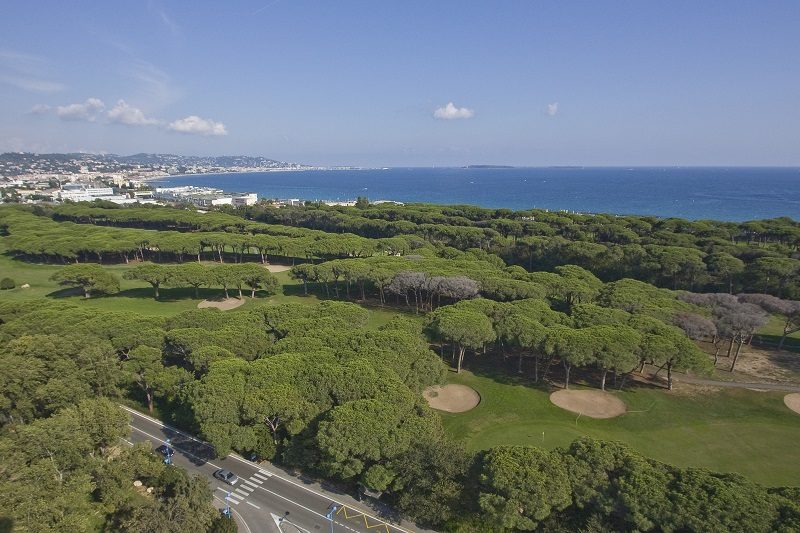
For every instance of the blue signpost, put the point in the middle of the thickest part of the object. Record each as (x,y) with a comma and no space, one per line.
(331,511)
(227,510)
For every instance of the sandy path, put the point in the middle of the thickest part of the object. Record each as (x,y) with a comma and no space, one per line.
(277,268)
(452,398)
(591,403)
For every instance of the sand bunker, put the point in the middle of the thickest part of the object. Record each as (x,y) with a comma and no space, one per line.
(277,268)
(591,403)
(224,304)
(452,398)
(792,401)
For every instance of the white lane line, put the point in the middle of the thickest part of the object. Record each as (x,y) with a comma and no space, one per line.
(309,510)
(259,476)
(182,451)
(252,464)
(243,493)
(249,484)
(246,488)
(265,473)
(253,505)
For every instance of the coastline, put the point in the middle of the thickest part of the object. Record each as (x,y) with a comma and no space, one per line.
(690,193)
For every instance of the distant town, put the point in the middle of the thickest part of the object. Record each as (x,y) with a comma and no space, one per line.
(78,177)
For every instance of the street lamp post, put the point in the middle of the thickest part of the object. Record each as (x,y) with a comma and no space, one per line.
(331,511)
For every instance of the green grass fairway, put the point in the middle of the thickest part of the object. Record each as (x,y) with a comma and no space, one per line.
(752,433)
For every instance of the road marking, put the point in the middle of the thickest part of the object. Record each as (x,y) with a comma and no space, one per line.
(260,476)
(253,505)
(243,493)
(232,496)
(249,484)
(182,451)
(252,464)
(309,510)
(246,488)
(279,519)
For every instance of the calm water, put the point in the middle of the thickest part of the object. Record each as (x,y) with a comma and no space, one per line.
(695,193)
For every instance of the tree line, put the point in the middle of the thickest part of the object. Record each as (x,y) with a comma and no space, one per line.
(590,337)
(93,279)
(702,255)
(755,256)
(41,238)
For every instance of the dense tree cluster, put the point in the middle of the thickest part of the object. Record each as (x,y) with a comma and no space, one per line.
(755,256)
(671,252)
(37,236)
(69,471)
(604,486)
(275,380)
(591,337)
(311,386)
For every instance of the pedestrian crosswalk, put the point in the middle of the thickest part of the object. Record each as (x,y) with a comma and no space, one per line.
(246,487)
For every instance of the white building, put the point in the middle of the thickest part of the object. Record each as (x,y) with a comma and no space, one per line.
(245,199)
(79,193)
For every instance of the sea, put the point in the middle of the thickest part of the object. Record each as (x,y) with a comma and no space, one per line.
(720,193)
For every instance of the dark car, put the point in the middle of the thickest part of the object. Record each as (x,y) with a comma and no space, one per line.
(227,476)
(165,450)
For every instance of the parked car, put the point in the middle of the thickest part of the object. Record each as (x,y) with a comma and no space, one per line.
(227,476)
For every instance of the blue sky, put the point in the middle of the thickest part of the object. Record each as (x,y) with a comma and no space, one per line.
(407,83)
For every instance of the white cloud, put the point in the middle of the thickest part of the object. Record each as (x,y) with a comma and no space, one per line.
(154,85)
(199,126)
(122,113)
(87,111)
(31,84)
(40,109)
(450,112)
(26,72)
(552,109)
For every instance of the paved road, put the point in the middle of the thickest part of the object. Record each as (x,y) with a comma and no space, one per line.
(736,384)
(264,493)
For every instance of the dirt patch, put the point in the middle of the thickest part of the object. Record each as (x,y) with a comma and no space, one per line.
(452,398)
(591,403)
(792,401)
(224,304)
(762,364)
(277,268)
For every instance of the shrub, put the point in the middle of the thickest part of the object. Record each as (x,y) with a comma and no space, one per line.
(7,283)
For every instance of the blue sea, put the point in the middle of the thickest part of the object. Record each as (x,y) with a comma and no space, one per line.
(735,194)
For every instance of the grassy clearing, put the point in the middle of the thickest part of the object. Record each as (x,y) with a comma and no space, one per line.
(137,296)
(752,433)
(771,333)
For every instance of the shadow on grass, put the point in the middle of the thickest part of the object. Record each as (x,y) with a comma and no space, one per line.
(504,370)
(771,342)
